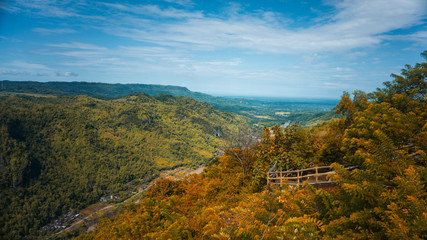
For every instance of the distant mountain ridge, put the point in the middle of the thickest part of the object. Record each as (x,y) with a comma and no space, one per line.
(99,90)
(108,91)
(262,111)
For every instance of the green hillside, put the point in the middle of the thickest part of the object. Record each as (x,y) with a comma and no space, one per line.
(262,111)
(62,153)
(102,90)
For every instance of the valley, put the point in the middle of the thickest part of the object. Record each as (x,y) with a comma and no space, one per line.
(119,168)
(213,120)
(62,154)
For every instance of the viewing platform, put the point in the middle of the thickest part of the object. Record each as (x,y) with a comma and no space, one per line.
(317,175)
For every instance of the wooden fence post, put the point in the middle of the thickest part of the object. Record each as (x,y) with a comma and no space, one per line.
(317,176)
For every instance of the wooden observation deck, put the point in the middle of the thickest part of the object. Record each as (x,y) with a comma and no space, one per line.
(317,175)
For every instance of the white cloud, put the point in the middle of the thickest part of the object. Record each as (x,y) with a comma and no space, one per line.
(66,74)
(156,60)
(368,17)
(333,85)
(354,24)
(233,62)
(155,11)
(51,8)
(78,45)
(42,74)
(95,56)
(35,69)
(342,69)
(86,54)
(48,31)
(13,72)
(26,65)
(187,3)
(47,8)
(419,37)
(9,8)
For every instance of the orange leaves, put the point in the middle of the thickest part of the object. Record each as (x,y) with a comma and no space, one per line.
(165,187)
(203,211)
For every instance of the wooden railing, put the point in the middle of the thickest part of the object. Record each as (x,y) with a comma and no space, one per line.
(313,175)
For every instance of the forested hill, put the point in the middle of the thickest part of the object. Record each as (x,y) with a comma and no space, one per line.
(62,153)
(262,111)
(98,90)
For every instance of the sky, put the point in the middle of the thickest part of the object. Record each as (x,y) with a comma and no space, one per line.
(275,48)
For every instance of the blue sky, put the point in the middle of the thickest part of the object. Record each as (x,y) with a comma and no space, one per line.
(280,48)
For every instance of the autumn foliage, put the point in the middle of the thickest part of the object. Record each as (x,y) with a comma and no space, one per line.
(384,133)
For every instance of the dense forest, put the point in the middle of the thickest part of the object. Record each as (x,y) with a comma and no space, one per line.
(261,111)
(384,133)
(98,90)
(59,154)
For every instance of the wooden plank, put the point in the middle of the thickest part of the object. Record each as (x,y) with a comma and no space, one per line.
(306,169)
(308,175)
(319,174)
(320,182)
(299,170)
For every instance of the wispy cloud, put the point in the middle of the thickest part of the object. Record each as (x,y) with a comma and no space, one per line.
(42,74)
(66,74)
(187,3)
(342,69)
(155,11)
(26,65)
(354,24)
(78,45)
(9,8)
(35,69)
(419,37)
(48,31)
(367,17)
(333,85)
(51,8)
(47,8)
(13,72)
(127,58)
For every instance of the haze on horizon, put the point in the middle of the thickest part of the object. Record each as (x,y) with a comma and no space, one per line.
(276,48)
